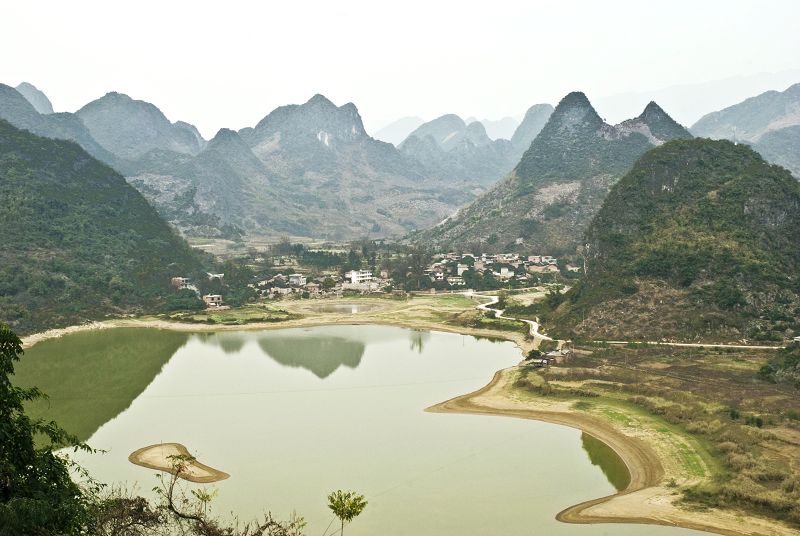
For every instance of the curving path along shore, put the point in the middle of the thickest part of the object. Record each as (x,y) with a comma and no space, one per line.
(537,336)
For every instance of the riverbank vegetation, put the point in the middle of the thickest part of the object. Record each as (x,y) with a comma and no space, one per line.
(239,316)
(736,436)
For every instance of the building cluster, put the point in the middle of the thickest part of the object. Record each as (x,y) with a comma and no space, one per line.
(331,285)
(454,269)
(212,301)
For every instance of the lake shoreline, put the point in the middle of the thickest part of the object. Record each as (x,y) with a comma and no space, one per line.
(646,500)
(322,320)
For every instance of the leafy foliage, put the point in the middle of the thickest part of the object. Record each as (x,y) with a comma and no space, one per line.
(785,368)
(346,505)
(37,494)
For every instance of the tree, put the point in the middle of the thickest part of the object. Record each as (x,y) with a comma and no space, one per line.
(37,495)
(554,296)
(346,505)
(183,300)
(502,299)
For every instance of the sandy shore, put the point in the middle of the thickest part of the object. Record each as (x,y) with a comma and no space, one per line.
(30,340)
(158,457)
(385,318)
(646,500)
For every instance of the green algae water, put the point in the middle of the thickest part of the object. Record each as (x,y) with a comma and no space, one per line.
(294,414)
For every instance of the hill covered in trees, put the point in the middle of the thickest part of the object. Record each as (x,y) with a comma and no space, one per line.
(698,240)
(78,241)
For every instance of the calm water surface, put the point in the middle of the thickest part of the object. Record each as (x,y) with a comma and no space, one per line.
(294,414)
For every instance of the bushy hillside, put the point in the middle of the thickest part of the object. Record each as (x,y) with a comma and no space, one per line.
(78,241)
(700,239)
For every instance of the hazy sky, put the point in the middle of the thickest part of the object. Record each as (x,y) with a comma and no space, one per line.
(228,63)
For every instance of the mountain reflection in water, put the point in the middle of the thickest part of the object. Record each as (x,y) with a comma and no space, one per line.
(322,355)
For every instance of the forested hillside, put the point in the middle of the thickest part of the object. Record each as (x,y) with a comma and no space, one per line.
(77,241)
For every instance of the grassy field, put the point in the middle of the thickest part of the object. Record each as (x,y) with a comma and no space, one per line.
(727,438)
(238,316)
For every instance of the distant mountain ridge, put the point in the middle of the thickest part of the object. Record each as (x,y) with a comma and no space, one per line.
(397,131)
(753,117)
(130,128)
(770,122)
(498,129)
(18,111)
(559,183)
(307,170)
(37,98)
(532,124)
(453,150)
(303,170)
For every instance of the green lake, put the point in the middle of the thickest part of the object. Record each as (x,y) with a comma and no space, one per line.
(294,414)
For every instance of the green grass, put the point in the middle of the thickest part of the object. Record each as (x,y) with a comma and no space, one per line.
(237,316)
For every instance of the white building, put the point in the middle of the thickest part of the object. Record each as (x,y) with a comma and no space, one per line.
(505,273)
(461,268)
(358,276)
(455,280)
(212,300)
(180,282)
(297,280)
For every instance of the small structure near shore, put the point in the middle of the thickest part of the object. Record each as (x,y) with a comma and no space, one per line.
(535,363)
(162,457)
(212,301)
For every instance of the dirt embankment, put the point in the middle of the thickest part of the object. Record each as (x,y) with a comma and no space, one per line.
(646,500)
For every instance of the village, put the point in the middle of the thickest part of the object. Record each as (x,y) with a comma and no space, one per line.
(288,278)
